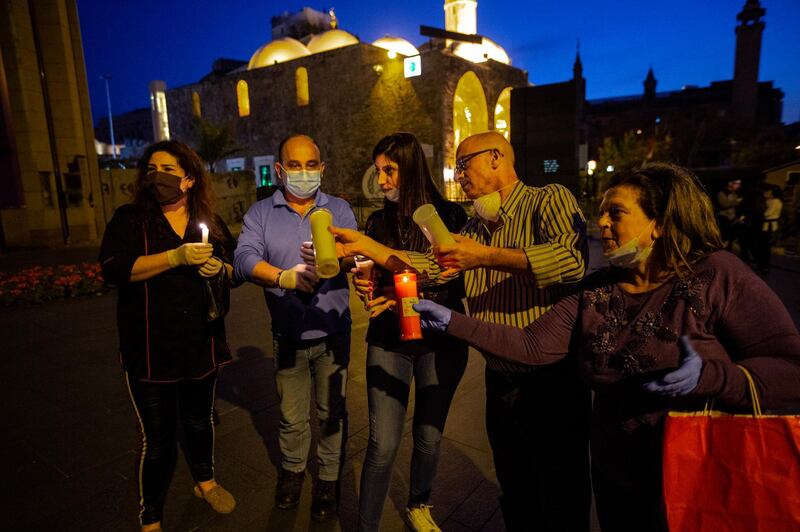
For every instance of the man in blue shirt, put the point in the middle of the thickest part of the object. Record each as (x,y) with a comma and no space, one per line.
(310,320)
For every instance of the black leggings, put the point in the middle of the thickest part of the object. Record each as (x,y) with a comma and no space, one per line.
(157,407)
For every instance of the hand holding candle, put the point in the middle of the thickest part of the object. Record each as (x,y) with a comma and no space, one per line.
(405,287)
(432,225)
(324,243)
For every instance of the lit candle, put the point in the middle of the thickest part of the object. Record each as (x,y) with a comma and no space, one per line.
(405,289)
(204,229)
(324,243)
(432,225)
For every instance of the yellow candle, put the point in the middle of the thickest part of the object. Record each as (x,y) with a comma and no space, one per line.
(324,243)
(432,225)
(204,229)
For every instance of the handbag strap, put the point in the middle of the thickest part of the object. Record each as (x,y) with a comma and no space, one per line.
(751,383)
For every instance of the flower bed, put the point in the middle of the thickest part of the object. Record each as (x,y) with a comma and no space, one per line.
(40,284)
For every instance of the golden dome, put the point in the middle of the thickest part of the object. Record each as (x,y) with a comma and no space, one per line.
(330,40)
(277,51)
(480,53)
(397,44)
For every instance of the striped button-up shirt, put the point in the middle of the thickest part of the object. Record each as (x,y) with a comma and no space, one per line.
(547,224)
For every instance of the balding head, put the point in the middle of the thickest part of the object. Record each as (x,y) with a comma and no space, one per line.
(487,140)
(294,142)
(488,161)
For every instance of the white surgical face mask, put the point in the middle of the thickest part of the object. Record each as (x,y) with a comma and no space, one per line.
(302,183)
(392,195)
(487,207)
(629,255)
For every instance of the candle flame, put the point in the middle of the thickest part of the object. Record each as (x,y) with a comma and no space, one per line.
(405,278)
(203,226)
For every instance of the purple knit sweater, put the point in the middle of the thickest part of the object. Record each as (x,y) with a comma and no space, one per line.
(621,340)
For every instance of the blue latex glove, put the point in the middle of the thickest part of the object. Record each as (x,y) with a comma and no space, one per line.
(682,380)
(434,317)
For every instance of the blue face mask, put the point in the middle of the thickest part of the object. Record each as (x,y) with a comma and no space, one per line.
(302,183)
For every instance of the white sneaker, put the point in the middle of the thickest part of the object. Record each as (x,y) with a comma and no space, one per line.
(419,519)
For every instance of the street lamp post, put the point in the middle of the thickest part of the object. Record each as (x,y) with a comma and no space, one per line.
(110,117)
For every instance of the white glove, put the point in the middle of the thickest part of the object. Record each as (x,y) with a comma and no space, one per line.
(192,253)
(301,277)
(211,267)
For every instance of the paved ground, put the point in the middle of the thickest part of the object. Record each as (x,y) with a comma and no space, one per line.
(70,431)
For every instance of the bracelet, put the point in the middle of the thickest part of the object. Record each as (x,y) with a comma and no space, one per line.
(278,278)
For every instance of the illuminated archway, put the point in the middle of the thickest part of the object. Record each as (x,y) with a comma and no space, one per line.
(243,98)
(196,104)
(502,113)
(470,115)
(301,86)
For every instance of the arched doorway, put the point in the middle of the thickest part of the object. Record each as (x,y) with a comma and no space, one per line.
(502,113)
(470,115)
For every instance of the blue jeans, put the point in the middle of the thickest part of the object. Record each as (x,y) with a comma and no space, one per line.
(299,366)
(436,375)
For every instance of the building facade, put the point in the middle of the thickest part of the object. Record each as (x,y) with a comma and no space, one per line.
(347,94)
(49,181)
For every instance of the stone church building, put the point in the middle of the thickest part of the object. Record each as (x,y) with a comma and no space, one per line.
(316,78)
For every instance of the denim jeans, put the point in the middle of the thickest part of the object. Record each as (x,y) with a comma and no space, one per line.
(157,407)
(321,364)
(436,375)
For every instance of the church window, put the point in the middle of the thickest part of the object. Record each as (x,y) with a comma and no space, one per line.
(243,98)
(301,86)
(196,104)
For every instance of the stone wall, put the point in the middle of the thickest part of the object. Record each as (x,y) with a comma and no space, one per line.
(357,96)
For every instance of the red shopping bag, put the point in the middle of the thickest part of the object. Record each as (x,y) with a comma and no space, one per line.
(732,473)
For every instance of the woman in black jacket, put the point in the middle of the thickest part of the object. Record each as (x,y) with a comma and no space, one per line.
(154,250)
(436,366)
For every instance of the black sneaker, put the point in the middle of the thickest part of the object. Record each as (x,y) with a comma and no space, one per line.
(290,484)
(323,502)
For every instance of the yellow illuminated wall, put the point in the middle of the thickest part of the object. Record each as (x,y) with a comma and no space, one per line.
(502,113)
(243,98)
(196,104)
(470,115)
(301,86)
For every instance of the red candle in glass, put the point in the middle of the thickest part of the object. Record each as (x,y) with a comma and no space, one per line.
(405,289)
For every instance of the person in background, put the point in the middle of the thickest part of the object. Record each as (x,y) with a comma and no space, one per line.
(310,321)
(435,365)
(520,254)
(770,228)
(170,352)
(662,328)
(728,200)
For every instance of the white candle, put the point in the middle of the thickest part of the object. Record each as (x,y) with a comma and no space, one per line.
(204,228)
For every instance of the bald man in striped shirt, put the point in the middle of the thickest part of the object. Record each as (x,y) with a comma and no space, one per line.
(519,255)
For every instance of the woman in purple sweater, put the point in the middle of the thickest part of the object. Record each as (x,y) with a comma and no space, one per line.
(662,328)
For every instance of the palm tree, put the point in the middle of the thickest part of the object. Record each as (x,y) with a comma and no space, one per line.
(213,143)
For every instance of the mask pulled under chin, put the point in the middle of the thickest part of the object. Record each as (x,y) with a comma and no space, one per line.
(629,255)
(302,183)
(164,187)
(392,195)
(487,207)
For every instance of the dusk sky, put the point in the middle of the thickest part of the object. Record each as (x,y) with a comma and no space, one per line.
(687,42)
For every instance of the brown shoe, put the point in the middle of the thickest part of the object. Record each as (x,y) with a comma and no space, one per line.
(220,499)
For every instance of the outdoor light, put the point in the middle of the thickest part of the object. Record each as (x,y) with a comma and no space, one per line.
(638,131)
(448,174)
(610,168)
(591,166)
(392,54)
